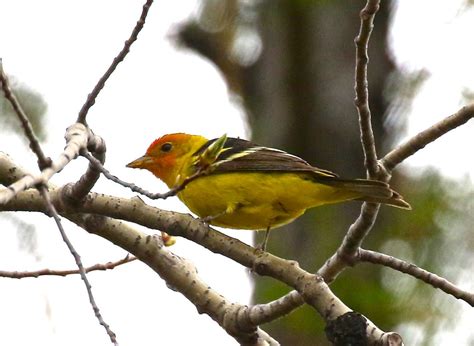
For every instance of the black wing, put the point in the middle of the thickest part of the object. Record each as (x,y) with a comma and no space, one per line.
(240,155)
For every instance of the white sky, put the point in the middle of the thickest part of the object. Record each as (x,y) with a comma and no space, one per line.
(60,49)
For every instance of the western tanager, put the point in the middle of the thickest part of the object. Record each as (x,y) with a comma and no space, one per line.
(246,186)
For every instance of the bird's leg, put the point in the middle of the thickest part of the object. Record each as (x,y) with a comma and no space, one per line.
(263,245)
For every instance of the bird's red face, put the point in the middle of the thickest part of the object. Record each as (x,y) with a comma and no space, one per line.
(166,155)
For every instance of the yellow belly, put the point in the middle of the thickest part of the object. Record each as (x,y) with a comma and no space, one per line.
(256,201)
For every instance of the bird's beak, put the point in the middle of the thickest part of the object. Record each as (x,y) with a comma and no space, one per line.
(141,162)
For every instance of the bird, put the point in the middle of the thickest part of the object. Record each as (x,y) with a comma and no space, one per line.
(242,185)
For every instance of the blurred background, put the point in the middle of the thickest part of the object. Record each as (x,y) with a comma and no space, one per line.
(278,72)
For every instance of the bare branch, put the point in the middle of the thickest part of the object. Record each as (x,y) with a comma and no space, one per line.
(405,150)
(51,272)
(417,272)
(117,60)
(43,161)
(361,86)
(263,313)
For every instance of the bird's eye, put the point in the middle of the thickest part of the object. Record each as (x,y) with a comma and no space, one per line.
(166,147)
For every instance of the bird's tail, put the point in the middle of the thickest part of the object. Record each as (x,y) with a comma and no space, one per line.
(372,191)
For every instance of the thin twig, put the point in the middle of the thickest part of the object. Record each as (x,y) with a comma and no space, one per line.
(172,192)
(51,272)
(361,86)
(43,161)
(264,313)
(118,59)
(417,272)
(410,147)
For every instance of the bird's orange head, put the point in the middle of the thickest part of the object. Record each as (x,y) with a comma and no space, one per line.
(169,156)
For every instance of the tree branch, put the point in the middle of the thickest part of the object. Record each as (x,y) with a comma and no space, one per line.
(50,272)
(361,86)
(418,142)
(417,272)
